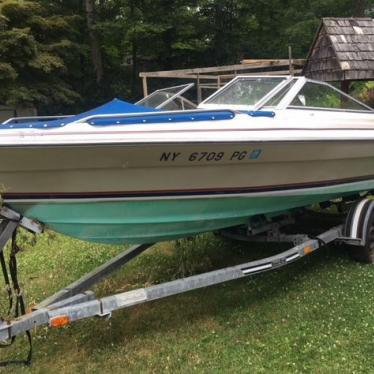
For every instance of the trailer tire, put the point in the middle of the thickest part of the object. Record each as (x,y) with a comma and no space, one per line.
(359,224)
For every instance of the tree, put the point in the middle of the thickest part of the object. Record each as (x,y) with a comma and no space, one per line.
(97,60)
(67,55)
(229,26)
(37,49)
(360,7)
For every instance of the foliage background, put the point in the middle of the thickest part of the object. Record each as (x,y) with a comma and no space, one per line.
(62,56)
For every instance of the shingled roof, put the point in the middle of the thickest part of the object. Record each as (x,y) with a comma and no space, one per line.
(343,49)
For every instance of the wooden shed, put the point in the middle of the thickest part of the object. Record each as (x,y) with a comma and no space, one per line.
(343,50)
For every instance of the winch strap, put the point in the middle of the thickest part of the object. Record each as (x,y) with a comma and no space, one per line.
(20,308)
(6,280)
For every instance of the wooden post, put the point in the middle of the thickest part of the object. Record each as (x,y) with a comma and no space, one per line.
(344,86)
(198,88)
(145,87)
(290,60)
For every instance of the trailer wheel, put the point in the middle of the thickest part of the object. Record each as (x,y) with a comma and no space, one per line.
(359,224)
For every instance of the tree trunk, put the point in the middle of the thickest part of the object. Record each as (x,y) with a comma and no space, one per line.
(96,55)
(134,70)
(359,8)
(134,54)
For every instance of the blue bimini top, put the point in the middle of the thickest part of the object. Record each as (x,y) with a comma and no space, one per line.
(115,106)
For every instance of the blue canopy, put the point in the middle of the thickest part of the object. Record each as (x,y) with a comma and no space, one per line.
(115,106)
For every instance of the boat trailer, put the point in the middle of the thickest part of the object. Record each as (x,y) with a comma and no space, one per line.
(76,302)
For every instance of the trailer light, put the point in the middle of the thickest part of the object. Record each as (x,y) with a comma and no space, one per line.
(59,321)
(308,249)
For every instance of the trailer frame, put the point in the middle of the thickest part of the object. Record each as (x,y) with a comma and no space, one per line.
(75,301)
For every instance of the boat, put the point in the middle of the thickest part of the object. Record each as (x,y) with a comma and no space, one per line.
(143,173)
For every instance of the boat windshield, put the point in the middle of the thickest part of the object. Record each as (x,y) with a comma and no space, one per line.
(245,91)
(318,95)
(169,98)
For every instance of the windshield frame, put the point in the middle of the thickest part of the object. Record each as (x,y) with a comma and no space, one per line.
(285,102)
(205,105)
(307,80)
(183,88)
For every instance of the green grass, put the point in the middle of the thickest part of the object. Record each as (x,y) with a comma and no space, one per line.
(314,316)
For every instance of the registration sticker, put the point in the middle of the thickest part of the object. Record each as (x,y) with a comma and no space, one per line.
(255,154)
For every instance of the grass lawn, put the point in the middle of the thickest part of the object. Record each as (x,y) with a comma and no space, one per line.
(314,316)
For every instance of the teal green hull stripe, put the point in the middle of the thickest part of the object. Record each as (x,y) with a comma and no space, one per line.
(146,221)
